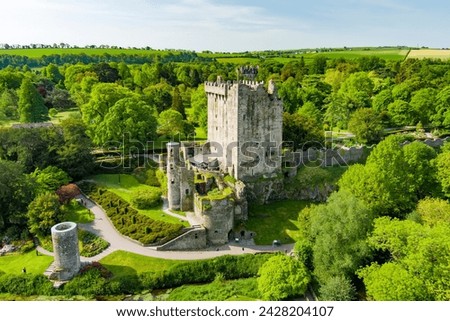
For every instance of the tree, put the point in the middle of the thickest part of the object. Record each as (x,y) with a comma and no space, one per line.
(442,164)
(366,125)
(130,120)
(338,288)
(67,192)
(423,103)
(8,104)
(434,211)
(304,132)
(170,123)
(16,192)
(282,277)
(401,113)
(49,179)
(44,212)
(159,95)
(103,97)
(199,114)
(31,104)
(392,282)
(418,269)
(357,90)
(420,170)
(442,116)
(309,110)
(177,101)
(74,155)
(339,230)
(384,182)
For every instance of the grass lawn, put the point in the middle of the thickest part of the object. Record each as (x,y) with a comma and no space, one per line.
(13,264)
(234,290)
(122,263)
(74,212)
(125,187)
(64,115)
(275,221)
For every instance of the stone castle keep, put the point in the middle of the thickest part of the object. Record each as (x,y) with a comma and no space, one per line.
(214,179)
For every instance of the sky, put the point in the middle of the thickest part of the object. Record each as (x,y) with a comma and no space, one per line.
(227,25)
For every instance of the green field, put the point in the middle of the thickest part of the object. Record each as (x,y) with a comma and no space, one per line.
(275,221)
(74,212)
(308,55)
(62,115)
(14,263)
(124,185)
(122,263)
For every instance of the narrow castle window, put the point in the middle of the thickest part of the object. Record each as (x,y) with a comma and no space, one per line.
(172,182)
(196,235)
(187,191)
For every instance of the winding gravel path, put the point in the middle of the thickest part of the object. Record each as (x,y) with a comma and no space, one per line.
(103,227)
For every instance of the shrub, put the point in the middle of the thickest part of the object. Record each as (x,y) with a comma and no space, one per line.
(91,244)
(148,198)
(129,222)
(338,288)
(26,285)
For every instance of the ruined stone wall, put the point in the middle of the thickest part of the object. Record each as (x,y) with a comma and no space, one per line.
(217,217)
(173,176)
(192,239)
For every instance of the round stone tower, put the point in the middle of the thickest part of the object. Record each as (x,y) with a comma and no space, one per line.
(65,248)
(173,175)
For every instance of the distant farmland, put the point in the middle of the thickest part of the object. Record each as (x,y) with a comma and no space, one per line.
(38,53)
(430,53)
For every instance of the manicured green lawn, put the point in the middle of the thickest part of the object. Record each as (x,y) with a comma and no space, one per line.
(64,115)
(74,212)
(276,221)
(124,185)
(235,290)
(123,263)
(13,264)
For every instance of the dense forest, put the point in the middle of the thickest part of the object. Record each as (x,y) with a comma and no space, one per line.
(384,235)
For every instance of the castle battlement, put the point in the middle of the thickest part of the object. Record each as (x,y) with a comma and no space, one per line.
(222,88)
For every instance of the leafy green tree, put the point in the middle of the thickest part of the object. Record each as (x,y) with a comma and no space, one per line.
(418,269)
(49,179)
(387,182)
(434,211)
(290,94)
(282,277)
(357,90)
(74,155)
(423,103)
(128,120)
(103,97)
(401,113)
(31,104)
(338,288)
(159,95)
(366,124)
(199,114)
(8,104)
(339,230)
(309,110)
(53,73)
(44,212)
(392,282)
(421,172)
(16,192)
(304,132)
(170,123)
(442,164)
(442,115)
(381,101)
(177,101)
(318,65)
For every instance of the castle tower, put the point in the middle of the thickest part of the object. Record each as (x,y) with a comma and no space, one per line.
(65,247)
(245,128)
(173,175)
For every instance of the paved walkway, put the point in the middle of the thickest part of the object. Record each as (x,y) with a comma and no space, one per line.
(102,227)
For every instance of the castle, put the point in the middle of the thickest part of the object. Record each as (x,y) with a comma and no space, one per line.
(215,179)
